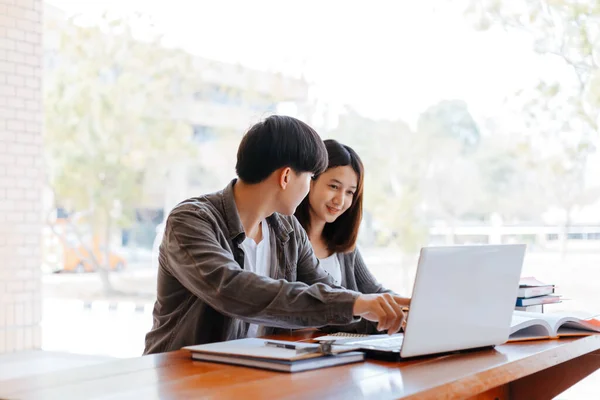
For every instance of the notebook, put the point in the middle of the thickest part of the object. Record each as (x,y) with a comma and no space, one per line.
(530,281)
(532,301)
(539,308)
(341,337)
(526,292)
(254,352)
(532,326)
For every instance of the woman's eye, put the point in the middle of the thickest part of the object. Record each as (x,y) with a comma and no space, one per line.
(333,186)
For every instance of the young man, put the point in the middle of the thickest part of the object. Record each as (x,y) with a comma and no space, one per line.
(236,261)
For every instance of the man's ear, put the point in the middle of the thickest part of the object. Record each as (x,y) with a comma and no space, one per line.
(284,177)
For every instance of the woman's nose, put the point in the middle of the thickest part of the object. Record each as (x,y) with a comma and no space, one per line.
(338,200)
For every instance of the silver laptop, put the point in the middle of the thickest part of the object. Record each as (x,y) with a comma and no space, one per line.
(463,298)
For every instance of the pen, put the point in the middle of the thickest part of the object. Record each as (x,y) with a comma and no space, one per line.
(281,345)
(288,346)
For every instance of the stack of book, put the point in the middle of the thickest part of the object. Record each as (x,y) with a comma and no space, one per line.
(533,295)
(276,355)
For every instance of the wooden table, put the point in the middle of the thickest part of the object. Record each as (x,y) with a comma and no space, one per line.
(527,370)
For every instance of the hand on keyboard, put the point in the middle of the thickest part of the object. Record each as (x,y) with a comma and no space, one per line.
(385,309)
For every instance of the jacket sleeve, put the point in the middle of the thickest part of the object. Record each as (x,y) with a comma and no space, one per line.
(199,262)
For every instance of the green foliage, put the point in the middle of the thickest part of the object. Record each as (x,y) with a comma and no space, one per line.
(391,154)
(445,171)
(450,119)
(563,112)
(566,30)
(110,113)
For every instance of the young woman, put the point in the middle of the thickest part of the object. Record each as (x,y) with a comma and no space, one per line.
(331,215)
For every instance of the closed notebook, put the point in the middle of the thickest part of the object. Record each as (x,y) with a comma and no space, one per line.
(550,299)
(539,308)
(526,292)
(532,326)
(254,352)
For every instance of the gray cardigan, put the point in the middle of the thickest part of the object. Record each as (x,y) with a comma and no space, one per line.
(356,277)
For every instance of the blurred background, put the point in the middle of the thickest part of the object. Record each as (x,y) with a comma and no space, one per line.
(477,122)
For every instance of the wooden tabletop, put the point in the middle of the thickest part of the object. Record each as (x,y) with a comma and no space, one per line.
(514,369)
(36,362)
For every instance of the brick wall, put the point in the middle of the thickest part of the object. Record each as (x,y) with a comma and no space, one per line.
(20,173)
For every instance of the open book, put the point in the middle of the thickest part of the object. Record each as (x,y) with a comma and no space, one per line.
(532,326)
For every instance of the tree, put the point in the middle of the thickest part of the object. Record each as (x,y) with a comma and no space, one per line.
(450,119)
(562,110)
(110,100)
(453,184)
(393,159)
(569,192)
(507,165)
(561,29)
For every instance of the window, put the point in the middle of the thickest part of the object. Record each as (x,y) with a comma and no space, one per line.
(202,133)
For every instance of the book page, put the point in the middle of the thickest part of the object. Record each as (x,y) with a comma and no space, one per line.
(566,331)
(562,323)
(525,320)
(554,320)
(526,327)
(533,332)
(568,325)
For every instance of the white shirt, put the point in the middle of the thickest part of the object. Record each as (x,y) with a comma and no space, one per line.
(257,259)
(333,268)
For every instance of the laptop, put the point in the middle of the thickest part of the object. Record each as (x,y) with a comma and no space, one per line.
(463,299)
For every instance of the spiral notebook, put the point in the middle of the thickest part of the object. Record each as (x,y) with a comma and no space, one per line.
(339,336)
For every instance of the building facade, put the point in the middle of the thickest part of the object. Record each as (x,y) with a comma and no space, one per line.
(20,174)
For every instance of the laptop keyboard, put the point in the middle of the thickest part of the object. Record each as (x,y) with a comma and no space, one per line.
(392,343)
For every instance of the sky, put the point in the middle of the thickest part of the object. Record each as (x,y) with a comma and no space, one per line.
(386,59)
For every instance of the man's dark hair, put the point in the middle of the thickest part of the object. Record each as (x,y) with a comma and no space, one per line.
(279,141)
(340,235)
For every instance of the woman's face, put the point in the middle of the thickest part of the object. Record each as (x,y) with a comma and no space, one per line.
(332,193)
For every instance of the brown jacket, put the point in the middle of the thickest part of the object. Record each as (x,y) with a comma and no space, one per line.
(204,294)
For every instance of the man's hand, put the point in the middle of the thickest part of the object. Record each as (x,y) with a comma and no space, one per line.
(385,309)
